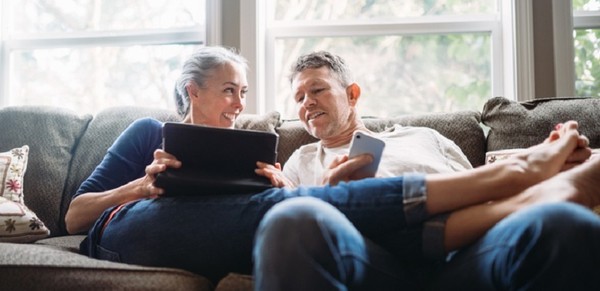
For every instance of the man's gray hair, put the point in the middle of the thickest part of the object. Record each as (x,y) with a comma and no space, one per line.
(320,59)
(198,67)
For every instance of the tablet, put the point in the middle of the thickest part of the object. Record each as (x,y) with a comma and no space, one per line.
(215,161)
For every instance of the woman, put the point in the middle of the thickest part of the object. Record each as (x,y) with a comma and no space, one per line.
(210,91)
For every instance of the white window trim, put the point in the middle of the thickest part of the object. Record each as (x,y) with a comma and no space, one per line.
(3,56)
(564,55)
(586,19)
(519,67)
(213,22)
(252,46)
(131,37)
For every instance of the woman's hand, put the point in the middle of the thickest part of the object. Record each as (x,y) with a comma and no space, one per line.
(162,161)
(273,173)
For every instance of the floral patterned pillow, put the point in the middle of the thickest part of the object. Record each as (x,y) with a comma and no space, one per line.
(12,170)
(17,222)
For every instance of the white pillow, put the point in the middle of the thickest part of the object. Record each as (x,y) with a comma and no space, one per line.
(18,224)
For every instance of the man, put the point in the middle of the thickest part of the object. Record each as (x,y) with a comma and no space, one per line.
(326,100)
(305,242)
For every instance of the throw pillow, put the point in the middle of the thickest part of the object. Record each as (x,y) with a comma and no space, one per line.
(266,122)
(12,170)
(18,224)
(515,124)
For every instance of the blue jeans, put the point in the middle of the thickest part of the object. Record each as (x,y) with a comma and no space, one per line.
(213,235)
(546,247)
(305,244)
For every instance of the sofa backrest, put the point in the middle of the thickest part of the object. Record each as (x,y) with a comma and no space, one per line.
(52,134)
(461,127)
(65,146)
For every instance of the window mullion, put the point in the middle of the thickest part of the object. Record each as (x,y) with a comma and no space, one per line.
(564,59)
(373,28)
(586,19)
(150,37)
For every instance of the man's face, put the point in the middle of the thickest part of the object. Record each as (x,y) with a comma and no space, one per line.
(322,103)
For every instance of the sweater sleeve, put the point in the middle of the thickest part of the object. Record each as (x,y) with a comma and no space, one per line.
(127,157)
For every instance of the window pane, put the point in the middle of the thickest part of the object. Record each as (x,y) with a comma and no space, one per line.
(401,74)
(586,5)
(39,16)
(90,79)
(370,9)
(587,62)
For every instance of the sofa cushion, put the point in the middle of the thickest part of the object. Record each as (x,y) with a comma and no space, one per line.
(523,124)
(56,268)
(51,134)
(461,127)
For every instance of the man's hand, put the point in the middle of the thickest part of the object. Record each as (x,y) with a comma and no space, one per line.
(344,169)
(273,173)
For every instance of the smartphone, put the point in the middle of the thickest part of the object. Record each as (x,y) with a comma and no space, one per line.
(363,143)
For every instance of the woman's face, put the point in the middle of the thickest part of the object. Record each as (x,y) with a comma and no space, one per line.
(222,97)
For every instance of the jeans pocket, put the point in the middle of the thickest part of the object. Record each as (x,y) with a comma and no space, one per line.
(105,254)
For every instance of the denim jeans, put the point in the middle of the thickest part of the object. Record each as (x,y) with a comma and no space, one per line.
(213,235)
(305,244)
(545,247)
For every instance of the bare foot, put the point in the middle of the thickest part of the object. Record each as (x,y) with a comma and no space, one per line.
(545,160)
(580,185)
(580,154)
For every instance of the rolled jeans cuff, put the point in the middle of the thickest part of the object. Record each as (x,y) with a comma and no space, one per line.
(414,198)
(433,236)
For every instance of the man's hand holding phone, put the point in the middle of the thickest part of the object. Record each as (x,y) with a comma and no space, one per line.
(362,161)
(362,143)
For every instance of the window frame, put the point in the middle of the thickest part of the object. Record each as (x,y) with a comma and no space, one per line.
(512,49)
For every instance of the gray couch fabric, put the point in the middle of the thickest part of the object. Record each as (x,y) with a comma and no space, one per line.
(519,125)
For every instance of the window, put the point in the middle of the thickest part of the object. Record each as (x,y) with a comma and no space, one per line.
(407,56)
(586,34)
(88,55)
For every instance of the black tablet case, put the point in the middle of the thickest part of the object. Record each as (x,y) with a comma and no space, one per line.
(215,161)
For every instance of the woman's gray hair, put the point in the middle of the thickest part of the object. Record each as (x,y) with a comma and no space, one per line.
(198,67)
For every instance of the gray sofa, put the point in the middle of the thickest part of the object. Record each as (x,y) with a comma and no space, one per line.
(64,147)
